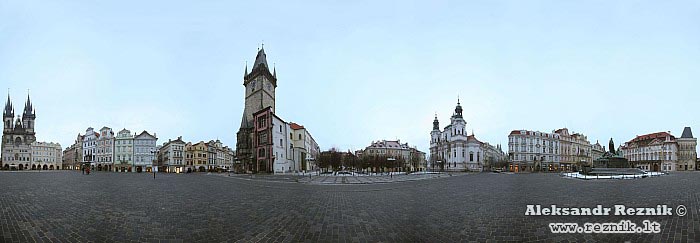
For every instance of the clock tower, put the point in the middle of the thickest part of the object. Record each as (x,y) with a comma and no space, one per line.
(260,85)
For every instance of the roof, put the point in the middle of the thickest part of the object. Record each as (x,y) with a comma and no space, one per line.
(473,138)
(645,139)
(146,134)
(295,126)
(687,133)
(260,59)
(8,106)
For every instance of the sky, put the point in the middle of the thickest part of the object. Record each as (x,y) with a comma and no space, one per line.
(353,72)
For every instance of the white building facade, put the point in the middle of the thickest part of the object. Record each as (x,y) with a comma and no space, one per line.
(173,153)
(453,149)
(145,151)
(90,146)
(533,151)
(652,152)
(124,151)
(46,156)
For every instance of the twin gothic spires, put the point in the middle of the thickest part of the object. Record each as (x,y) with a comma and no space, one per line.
(9,110)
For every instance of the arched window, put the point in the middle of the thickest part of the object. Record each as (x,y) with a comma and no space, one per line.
(299,136)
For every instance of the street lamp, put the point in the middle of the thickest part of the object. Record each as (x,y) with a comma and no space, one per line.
(154,165)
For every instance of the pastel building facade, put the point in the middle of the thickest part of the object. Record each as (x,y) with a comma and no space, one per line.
(46,156)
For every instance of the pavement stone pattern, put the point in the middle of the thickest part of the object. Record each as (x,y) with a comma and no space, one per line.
(340,180)
(66,206)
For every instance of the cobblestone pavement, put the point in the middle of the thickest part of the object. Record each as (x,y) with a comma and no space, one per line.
(340,180)
(69,207)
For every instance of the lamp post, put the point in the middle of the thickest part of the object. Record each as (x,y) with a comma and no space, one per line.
(154,165)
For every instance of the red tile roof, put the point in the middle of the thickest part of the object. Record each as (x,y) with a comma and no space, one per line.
(295,126)
(652,136)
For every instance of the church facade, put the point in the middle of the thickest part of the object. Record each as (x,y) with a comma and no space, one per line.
(20,150)
(453,149)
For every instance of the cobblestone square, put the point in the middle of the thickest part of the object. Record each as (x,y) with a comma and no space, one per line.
(66,206)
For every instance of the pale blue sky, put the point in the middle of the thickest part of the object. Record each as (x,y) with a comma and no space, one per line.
(356,71)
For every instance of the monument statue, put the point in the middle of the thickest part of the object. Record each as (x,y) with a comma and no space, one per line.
(612,147)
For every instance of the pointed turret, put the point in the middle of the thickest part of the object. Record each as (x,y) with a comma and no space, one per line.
(274,70)
(687,133)
(28,106)
(246,69)
(9,111)
(436,123)
(260,59)
(458,109)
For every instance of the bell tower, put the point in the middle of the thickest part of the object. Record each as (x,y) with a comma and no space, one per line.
(28,116)
(7,115)
(260,85)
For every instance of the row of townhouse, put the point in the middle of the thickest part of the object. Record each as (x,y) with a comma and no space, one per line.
(178,156)
(564,151)
(559,150)
(103,151)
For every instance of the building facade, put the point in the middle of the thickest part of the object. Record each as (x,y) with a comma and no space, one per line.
(196,157)
(652,152)
(266,143)
(17,136)
(533,151)
(145,151)
(597,151)
(124,151)
(305,150)
(73,155)
(46,156)
(90,147)
(687,151)
(104,150)
(260,85)
(173,155)
(282,147)
(575,150)
(453,149)
(414,159)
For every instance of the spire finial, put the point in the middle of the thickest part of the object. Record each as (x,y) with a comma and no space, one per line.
(262,43)
(458,99)
(246,69)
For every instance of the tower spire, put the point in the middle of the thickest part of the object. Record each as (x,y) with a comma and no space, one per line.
(9,111)
(274,70)
(28,105)
(246,69)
